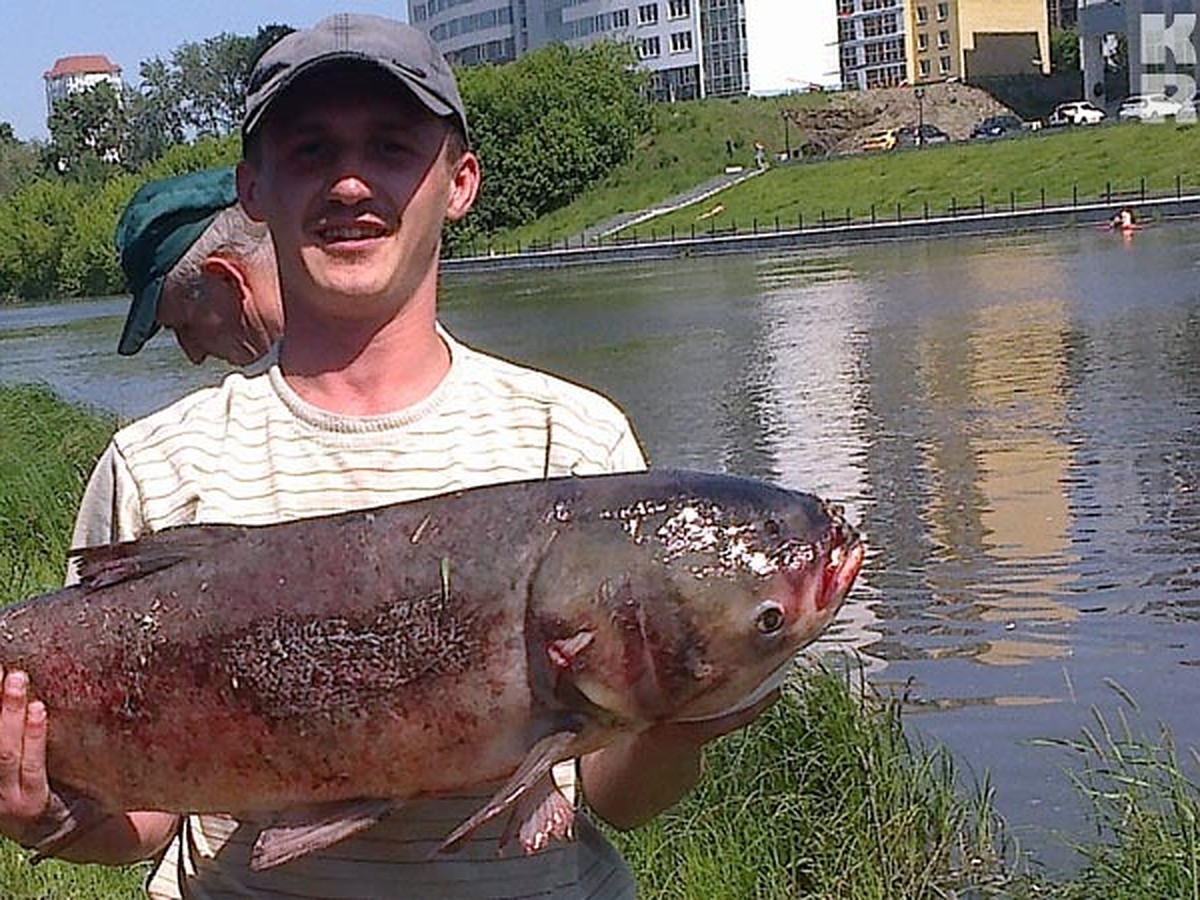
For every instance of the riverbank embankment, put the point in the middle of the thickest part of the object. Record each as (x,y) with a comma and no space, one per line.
(829,232)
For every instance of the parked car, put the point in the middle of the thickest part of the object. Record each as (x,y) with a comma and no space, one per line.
(1078,112)
(997,127)
(881,140)
(1189,112)
(1148,108)
(922,136)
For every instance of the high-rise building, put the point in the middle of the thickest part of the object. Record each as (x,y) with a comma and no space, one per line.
(692,48)
(889,42)
(72,74)
(871,43)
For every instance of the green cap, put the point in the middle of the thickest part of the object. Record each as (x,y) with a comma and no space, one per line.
(158,226)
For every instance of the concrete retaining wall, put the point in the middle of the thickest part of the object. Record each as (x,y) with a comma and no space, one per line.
(964,224)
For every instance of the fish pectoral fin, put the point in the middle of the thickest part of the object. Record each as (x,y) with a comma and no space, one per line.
(536,766)
(541,816)
(68,816)
(114,563)
(302,830)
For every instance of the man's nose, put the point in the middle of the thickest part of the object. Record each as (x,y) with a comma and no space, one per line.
(349,188)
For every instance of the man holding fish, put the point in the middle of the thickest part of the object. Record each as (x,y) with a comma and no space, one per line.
(355,152)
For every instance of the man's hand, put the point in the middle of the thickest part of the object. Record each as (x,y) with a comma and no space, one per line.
(632,781)
(24,790)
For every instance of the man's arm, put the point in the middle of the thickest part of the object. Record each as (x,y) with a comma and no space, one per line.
(630,782)
(123,837)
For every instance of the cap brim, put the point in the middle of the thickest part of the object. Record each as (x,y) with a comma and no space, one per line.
(142,322)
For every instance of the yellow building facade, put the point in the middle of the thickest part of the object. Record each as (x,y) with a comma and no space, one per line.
(972,39)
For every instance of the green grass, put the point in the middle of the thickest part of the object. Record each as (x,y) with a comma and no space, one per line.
(686,148)
(1081,164)
(1145,808)
(823,796)
(47,449)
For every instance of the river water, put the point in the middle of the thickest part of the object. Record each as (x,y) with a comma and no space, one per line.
(1013,422)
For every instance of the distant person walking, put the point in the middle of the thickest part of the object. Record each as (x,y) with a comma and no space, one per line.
(760,155)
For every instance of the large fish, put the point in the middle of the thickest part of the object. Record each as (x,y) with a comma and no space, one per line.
(333,667)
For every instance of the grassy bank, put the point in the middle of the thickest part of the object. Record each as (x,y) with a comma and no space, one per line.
(1059,165)
(824,796)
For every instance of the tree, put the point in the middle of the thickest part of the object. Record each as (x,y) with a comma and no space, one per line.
(548,126)
(87,132)
(19,162)
(211,78)
(1064,50)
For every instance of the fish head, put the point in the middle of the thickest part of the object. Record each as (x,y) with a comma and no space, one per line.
(699,597)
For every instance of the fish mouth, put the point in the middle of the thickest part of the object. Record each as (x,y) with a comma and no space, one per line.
(843,563)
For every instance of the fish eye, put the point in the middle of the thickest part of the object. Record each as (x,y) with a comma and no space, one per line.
(769,619)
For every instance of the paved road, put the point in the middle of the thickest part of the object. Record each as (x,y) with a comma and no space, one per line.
(701,191)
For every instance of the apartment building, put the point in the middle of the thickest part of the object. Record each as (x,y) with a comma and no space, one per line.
(872,47)
(692,48)
(71,74)
(889,42)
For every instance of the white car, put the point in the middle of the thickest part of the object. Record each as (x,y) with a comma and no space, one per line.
(1079,112)
(1148,108)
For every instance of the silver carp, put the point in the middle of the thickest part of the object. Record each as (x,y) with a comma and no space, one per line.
(327,669)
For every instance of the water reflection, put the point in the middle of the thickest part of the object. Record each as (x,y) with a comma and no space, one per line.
(1014,423)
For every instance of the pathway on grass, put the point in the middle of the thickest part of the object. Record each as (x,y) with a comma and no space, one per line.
(693,195)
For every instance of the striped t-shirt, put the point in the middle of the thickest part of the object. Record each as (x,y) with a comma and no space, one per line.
(251,451)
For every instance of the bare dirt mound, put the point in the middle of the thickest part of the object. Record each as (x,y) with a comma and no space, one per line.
(841,126)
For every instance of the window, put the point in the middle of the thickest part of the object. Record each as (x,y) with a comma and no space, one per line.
(884,23)
(681,42)
(943,40)
(845,7)
(943,11)
(621,18)
(679,9)
(648,15)
(943,65)
(922,41)
(648,48)
(922,15)
(924,68)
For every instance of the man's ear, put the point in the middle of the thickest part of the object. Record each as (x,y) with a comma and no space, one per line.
(229,273)
(248,190)
(464,186)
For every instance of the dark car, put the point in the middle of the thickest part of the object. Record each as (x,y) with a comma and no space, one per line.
(914,136)
(997,127)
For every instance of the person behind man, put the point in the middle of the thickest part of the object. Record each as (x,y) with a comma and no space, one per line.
(355,154)
(199,266)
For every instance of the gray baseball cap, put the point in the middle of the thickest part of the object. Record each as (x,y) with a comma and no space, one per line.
(400,50)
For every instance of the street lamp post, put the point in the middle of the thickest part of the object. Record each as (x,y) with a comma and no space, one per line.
(787,136)
(919,93)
